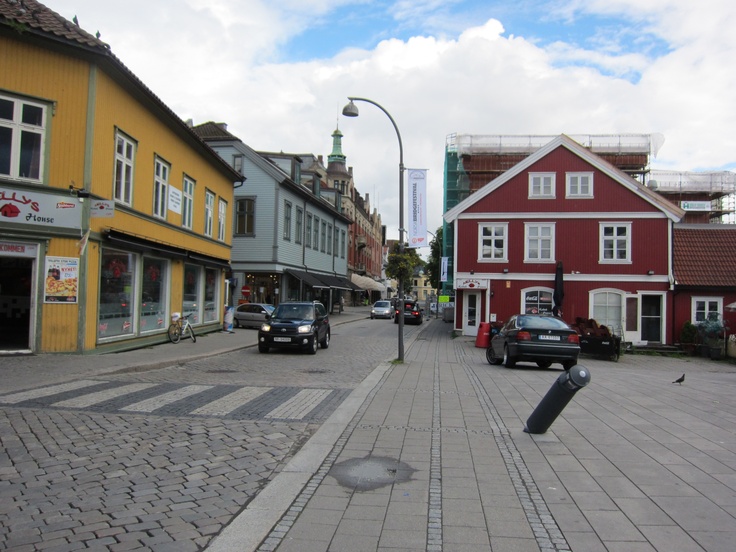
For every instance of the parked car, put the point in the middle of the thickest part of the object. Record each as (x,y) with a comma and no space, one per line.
(539,338)
(412,312)
(296,325)
(382,309)
(251,315)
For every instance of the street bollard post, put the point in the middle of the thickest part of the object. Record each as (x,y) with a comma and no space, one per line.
(561,392)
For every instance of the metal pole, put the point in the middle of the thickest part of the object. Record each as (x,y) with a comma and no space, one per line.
(401,211)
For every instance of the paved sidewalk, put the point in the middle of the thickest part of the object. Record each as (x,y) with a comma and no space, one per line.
(431,455)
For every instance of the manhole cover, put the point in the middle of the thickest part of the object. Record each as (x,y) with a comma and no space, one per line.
(370,473)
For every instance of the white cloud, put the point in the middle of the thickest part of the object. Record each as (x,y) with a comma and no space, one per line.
(219,61)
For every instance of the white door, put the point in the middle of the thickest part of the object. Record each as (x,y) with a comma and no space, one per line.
(471,312)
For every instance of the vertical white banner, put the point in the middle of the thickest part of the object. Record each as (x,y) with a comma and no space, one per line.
(417,232)
(443,269)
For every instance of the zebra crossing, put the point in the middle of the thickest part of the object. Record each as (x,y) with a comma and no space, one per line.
(172,399)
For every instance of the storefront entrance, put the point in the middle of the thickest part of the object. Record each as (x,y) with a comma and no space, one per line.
(16,278)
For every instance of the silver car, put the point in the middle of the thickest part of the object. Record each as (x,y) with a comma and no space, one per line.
(251,315)
(382,309)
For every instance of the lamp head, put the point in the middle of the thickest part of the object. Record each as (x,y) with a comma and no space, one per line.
(350,110)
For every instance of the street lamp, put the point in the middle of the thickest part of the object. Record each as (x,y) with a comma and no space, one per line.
(351,110)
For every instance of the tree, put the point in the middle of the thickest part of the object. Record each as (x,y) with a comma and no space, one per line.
(401,267)
(434,261)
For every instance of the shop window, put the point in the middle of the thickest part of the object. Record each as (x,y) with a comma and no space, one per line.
(153,295)
(211,287)
(537,301)
(192,293)
(117,290)
(608,308)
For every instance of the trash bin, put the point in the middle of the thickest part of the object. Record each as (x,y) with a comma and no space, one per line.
(448,314)
(561,392)
(483,339)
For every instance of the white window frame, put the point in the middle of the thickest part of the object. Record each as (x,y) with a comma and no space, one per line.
(542,308)
(124,168)
(601,305)
(329,239)
(287,220)
(542,185)
(20,129)
(161,170)
(308,232)
(708,307)
(615,241)
(209,212)
(533,232)
(221,219)
(187,207)
(491,253)
(579,185)
(298,229)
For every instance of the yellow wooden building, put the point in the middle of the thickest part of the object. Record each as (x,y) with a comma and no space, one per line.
(113,213)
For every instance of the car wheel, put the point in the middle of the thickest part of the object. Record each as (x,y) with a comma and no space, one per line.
(544,364)
(236,322)
(262,348)
(313,345)
(508,360)
(567,364)
(326,341)
(491,357)
(371,317)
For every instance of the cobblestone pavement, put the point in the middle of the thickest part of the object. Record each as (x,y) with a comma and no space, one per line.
(163,459)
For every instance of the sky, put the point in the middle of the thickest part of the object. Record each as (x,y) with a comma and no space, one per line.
(279,73)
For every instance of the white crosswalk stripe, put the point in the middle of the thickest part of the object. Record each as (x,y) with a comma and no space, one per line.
(231,401)
(154,403)
(300,404)
(101,396)
(15,398)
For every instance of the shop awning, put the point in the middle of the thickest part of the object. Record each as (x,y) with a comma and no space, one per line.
(138,243)
(307,278)
(337,282)
(368,284)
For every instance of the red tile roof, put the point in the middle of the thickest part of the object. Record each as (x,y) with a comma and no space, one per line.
(705,255)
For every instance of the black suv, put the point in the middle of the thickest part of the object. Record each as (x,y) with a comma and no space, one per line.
(412,312)
(300,325)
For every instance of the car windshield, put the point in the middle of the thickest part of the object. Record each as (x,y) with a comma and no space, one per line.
(294,312)
(541,323)
(382,304)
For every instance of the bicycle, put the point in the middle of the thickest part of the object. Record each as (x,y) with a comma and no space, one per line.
(180,326)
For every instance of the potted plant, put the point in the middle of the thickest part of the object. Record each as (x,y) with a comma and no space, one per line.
(712,332)
(688,337)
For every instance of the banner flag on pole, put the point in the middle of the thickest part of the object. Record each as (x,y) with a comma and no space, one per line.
(417,232)
(443,269)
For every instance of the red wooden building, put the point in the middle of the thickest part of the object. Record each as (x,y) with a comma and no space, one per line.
(613,235)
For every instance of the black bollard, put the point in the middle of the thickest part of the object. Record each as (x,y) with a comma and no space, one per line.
(561,392)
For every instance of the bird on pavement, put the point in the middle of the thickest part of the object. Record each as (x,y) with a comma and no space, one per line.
(680,379)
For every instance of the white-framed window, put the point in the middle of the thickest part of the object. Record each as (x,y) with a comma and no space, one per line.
(702,307)
(324,236)
(187,202)
(125,149)
(615,242)
(238,163)
(287,220)
(536,300)
(160,187)
(299,225)
(315,235)
(541,185)
(329,239)
(308,233)
(221,219)
(22,138)
(579,185)
(209,212)
(245,216)
(493,242)
(608,308)
(539,242)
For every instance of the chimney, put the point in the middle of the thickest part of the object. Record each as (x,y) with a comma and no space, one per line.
(316,184)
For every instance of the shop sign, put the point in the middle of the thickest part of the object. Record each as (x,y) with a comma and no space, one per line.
(62,277)
(695,205)
(15,249)
(40,210)
(102,208)
(472,283)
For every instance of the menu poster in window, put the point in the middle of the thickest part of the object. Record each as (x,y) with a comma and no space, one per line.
(62,276)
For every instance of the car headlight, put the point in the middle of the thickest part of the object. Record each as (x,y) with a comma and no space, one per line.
(265,327)
(305,329)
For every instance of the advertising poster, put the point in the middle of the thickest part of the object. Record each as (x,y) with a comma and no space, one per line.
(417,208)
(62,277)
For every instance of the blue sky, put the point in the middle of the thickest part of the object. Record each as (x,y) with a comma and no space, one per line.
(279,72)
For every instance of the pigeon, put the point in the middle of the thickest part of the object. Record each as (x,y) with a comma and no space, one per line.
(680,379)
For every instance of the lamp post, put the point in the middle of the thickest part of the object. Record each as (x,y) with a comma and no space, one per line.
(351,110)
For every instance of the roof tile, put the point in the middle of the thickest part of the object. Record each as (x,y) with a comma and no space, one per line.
(705,255)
